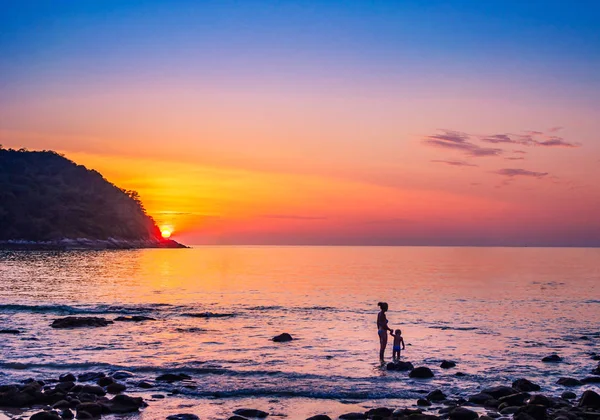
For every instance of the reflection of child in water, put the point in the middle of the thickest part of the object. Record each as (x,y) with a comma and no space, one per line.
(398,340)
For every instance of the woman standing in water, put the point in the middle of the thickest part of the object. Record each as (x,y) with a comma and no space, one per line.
(382,328)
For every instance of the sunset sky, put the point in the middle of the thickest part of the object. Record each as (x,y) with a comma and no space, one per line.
(321,122)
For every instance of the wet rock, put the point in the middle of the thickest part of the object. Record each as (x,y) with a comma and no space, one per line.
(515,399)
(115,388)
(422,402)
(404,412)
(183,417)
(553,358)
(568,395)
(595,356)
(83,415)
(122,374)
(135,318)
(436,395)
(589,399)
(107,380)
(173,377)
(540,399)
(380,412)
(122,404)
(460,374)
(85,397)
(447,364)
(90,376)
(423,417)
(353,416)
(480,398)
(237,418)
(251,412)
(400,366)
(282,338)
(14,332)
(421,372)
(158,396)
(596,371)
(45,415)
(92,408)
(499,391)
(319,417)
(67,414)
(509,410)
(569,382)
(80,322)
(61,404)
(538,412)
(520,416)
(67,377)
(208,315)
(461,413)
(64,386)
(591,380)
(145,385)
(93,389)
(525,385)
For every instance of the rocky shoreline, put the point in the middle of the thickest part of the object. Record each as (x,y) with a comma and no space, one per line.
(92,395)
(87,244)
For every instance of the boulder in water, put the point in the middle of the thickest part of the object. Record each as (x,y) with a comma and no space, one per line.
(589,399)
(319,417)
(107,380)
(591,380)
(540,399)
(251,412)
(447,364)
(66,377)
(145,385)
(525,385)
(461,413)
(480,398)
(379,412)
(80,322)
(90,376)
(122,404)
(400,366)
(538,412)
(173,377)
(8,331)
(183,417)
(568,395)
(422,402)
(569,382)
(92,408)
(553,358)
(282,338)
(122,374)
(421,372)
(436,395)
(115,388)
(515,399)
(134,318)
(499,391)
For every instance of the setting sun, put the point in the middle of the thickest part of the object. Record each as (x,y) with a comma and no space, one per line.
(166,233)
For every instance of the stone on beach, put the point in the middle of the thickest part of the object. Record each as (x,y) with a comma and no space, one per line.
(422,402)
(436,395)
(46,415)
(9,331)
(553,358)
(92,408)
(480,398)
(538,412)
(122,404)
(461,413)
(569,382)
(568,395)
(380,412)
(80,322)
(353,416)
(115,388)
(421,372)
(447,364)
(499,391)
(107,380)
(282,338)
(251,412)
(183,417)
(591,380)
(122,374)
(525,385)
(540,399)
(173,377)
(515,399)
(400,366)
(145,385)
(319,417)
(134,318)
(90,376)
(66,377)
(589,399)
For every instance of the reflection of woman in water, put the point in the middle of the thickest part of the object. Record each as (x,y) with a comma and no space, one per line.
(382,328)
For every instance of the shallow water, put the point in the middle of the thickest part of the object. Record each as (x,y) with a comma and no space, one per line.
(495,311)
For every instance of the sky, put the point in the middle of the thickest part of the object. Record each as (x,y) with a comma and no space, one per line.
(321,122)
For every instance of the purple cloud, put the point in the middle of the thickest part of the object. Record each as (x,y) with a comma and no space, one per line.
(498,138)
(454,163)
(455,140)
(514,158)
(511,173)
(556,142)
(523,152)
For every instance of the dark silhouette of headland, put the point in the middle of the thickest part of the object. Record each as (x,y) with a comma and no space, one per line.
(50,202)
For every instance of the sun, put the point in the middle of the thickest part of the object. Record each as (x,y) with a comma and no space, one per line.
(166,233)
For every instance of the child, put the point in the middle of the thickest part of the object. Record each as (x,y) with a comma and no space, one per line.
(398,340)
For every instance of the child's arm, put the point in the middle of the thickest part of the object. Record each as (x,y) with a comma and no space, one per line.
(402,341)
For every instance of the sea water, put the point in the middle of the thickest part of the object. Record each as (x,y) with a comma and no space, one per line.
(494,311)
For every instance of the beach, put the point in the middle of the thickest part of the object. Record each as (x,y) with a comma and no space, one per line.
(495,312)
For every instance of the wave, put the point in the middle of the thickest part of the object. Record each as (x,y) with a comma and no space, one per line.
(74,310)
(209,315)
(446,327)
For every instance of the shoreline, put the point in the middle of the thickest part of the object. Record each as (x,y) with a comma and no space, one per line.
(88,244)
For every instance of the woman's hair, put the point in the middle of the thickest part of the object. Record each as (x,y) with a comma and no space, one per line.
(383,306)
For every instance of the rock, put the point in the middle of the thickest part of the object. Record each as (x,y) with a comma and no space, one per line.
(92,408)
(251,412)
(237,418)
(135,318)
(404,412)
(80,322)
(520,416)
(90,376)
(93,389)
(282,338)
(568,395)
(107,380)
(64,386)
(183,417)
(460,374)
(569,382)
(158,396)
(122,404)
(540,399)
(591,380)
(400,366)
(61,404)
(596,371)
(538,412)
(589,399)
(67,414)
(84,415)
(553,358)
(515,399)
(509,410)
(115,388)
(122,374)
(436,395)
(14,332)
(66,377)
(379,411)
(499,391)
(85,397)
(319,417)
(45,415)
(353,416)
(421,372)
(173,377)
(422,402)
(525,385)
(447,364)
(461,413)
(480,398)
(145,385)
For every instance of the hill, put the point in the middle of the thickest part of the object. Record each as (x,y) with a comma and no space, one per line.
(48,201)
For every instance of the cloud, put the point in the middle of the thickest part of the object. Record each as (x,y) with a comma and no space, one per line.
(555,129)
(556,142)
(514,158)
(455,140)
(522,152)
(454,163)
(529,138)
(498,138)
(292,217)
(511,173)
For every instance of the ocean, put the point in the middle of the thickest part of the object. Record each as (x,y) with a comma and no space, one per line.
(494,311)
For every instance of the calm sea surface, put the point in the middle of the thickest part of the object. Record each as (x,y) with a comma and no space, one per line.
(495,311)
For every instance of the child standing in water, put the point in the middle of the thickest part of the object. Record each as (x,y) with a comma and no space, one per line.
(398,341)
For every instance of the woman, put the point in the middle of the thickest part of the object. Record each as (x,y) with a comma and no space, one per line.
(382,328)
